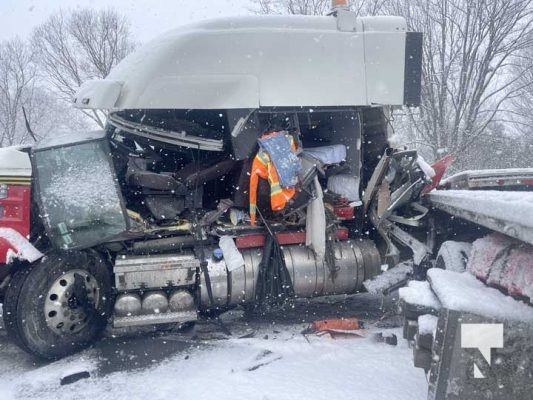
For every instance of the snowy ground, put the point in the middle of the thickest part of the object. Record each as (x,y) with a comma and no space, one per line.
(262,359)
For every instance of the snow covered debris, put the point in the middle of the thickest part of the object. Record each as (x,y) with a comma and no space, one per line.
(518,276)
(232,255)
(333,154)
(425,167)
(489,173)
(23,249)
(427,324)
(455,254)
(419,293)
(463,292)
(389,278)
(503,262)
(513,207)
(21,382)
(346,186)
(484,252)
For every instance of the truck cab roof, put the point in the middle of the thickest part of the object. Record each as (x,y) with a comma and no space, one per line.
(262,61)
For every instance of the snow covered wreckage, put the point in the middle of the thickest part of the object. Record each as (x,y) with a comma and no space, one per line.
(155,217)
(230,172)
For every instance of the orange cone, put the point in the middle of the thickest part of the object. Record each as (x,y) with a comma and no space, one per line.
(335,327)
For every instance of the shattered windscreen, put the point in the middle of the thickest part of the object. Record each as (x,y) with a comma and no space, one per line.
(79,195)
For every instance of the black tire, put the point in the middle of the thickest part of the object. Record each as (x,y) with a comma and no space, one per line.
(24,308)
(453,256)
(9,305)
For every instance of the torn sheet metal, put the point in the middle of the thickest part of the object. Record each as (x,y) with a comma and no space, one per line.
(166,136)
(232,255)
(315,230)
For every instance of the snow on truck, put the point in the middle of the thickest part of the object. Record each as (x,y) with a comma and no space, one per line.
(229,173)
(246,161)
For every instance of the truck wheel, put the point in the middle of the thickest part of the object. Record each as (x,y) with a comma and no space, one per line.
(60,305)
(453,255)
(9,305)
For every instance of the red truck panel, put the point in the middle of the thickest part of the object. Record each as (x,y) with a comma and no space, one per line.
(504,263)
(16,209)
(15,214)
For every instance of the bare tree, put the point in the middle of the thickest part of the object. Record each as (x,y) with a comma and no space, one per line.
(499,148)
(304,7)
(521,103)
(470,46)
(84,44)
(315,7)
(17,85)
(470,50)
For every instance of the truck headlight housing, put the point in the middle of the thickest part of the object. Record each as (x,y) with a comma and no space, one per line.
(3,191)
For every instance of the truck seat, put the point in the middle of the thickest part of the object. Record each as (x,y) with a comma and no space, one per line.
(155,181)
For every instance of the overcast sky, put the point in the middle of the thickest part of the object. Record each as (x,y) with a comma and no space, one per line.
(148,17)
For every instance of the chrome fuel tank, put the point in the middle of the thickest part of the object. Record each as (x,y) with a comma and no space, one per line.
(355,261)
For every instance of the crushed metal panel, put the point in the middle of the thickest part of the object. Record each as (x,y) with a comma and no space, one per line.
(166,136)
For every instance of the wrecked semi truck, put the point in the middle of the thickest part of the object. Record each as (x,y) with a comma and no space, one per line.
(229,172)
(470,321)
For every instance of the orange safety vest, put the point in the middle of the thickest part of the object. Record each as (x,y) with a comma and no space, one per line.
(263,167)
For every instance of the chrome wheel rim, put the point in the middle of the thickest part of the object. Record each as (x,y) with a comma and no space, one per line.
(66,313)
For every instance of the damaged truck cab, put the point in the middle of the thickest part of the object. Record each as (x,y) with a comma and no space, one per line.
(151,220)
